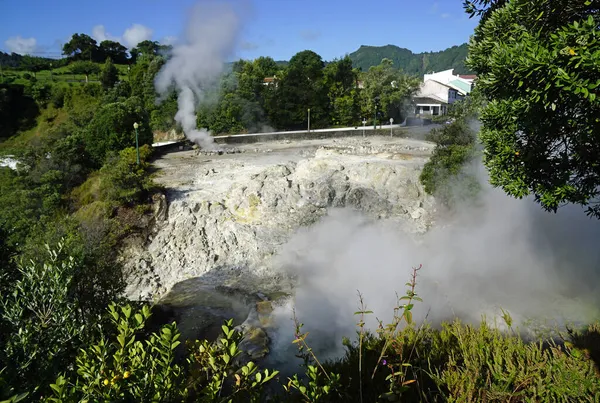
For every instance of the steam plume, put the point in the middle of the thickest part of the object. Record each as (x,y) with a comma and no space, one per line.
(197,63)
(498,253)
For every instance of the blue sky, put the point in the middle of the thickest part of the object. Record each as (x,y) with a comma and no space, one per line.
(276,28)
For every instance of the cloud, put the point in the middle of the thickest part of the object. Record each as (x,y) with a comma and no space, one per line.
(99,34)
(20,45)
(169,40)
(135,34)
(131,37)
(446,15)
(245,45)
(309,34)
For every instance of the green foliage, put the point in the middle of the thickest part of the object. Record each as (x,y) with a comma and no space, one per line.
(218,375)
(412,63)
(299,88)
(85,67)
(44,325)
(123,180)
(391,88)
(538,65)
(445,175)
(126,368)
(340,78)
(111,129)
(109,75)
(114,51)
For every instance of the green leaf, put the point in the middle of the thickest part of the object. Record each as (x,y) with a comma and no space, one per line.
(139,319)
(258,377)
(126,310)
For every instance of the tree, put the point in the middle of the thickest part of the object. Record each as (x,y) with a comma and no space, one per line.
(391,88)
(111,129)
(300,87)
(81,47)
(109,75)
(145,48)
(114,50)
(340,81)
(85,67)
(537,62)
(34,64)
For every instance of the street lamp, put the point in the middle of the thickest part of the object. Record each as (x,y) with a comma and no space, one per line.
(376,108)
(309,120)
(391,128)
(364,122)
(137,146)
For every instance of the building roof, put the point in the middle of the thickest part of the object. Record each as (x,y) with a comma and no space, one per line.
(461,86)
(468,76)
(269,79)
(429,99)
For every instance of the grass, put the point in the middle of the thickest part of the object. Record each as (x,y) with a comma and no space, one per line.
(49,118)
(59,74)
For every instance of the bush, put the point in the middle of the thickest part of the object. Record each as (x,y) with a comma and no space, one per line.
(58,94)
(127,368)
(444,175)
(123,180)
(111,129)
(44,325)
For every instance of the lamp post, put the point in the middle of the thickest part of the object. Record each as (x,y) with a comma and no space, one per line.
(364,122)
(309,120)
(137,147)
(376,109)
(51,78)
(391,128)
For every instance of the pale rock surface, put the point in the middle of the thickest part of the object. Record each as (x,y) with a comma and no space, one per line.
(225,216)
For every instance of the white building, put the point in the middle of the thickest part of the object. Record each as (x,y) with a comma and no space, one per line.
(438,91)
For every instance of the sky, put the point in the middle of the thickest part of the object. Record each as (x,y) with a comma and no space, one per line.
(276,28)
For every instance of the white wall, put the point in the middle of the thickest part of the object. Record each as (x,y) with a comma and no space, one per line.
(442,76)
(431,87)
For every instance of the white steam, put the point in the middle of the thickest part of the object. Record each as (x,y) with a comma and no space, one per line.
(501,253)
(197,63)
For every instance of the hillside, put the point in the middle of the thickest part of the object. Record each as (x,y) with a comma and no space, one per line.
(412,63)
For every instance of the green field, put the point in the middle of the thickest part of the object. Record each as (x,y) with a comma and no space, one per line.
(59,74)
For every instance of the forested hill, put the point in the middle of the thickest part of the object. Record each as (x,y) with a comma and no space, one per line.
(412,63)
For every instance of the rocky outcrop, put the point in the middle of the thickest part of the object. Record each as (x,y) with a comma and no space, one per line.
(227,216)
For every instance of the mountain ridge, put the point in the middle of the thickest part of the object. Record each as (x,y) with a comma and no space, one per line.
(412,63)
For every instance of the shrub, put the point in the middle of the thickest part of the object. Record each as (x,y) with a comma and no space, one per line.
(123,180)
(125,367)
(444,175)
(111,129)
(44,325)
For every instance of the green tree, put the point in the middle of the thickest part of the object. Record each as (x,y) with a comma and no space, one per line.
(392,88)
(300,87)
(85,67)
(111,128)
(537,63)
(341,83)
(34,64)
(147,49)
(109,75)
(113,50)
(81,47)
